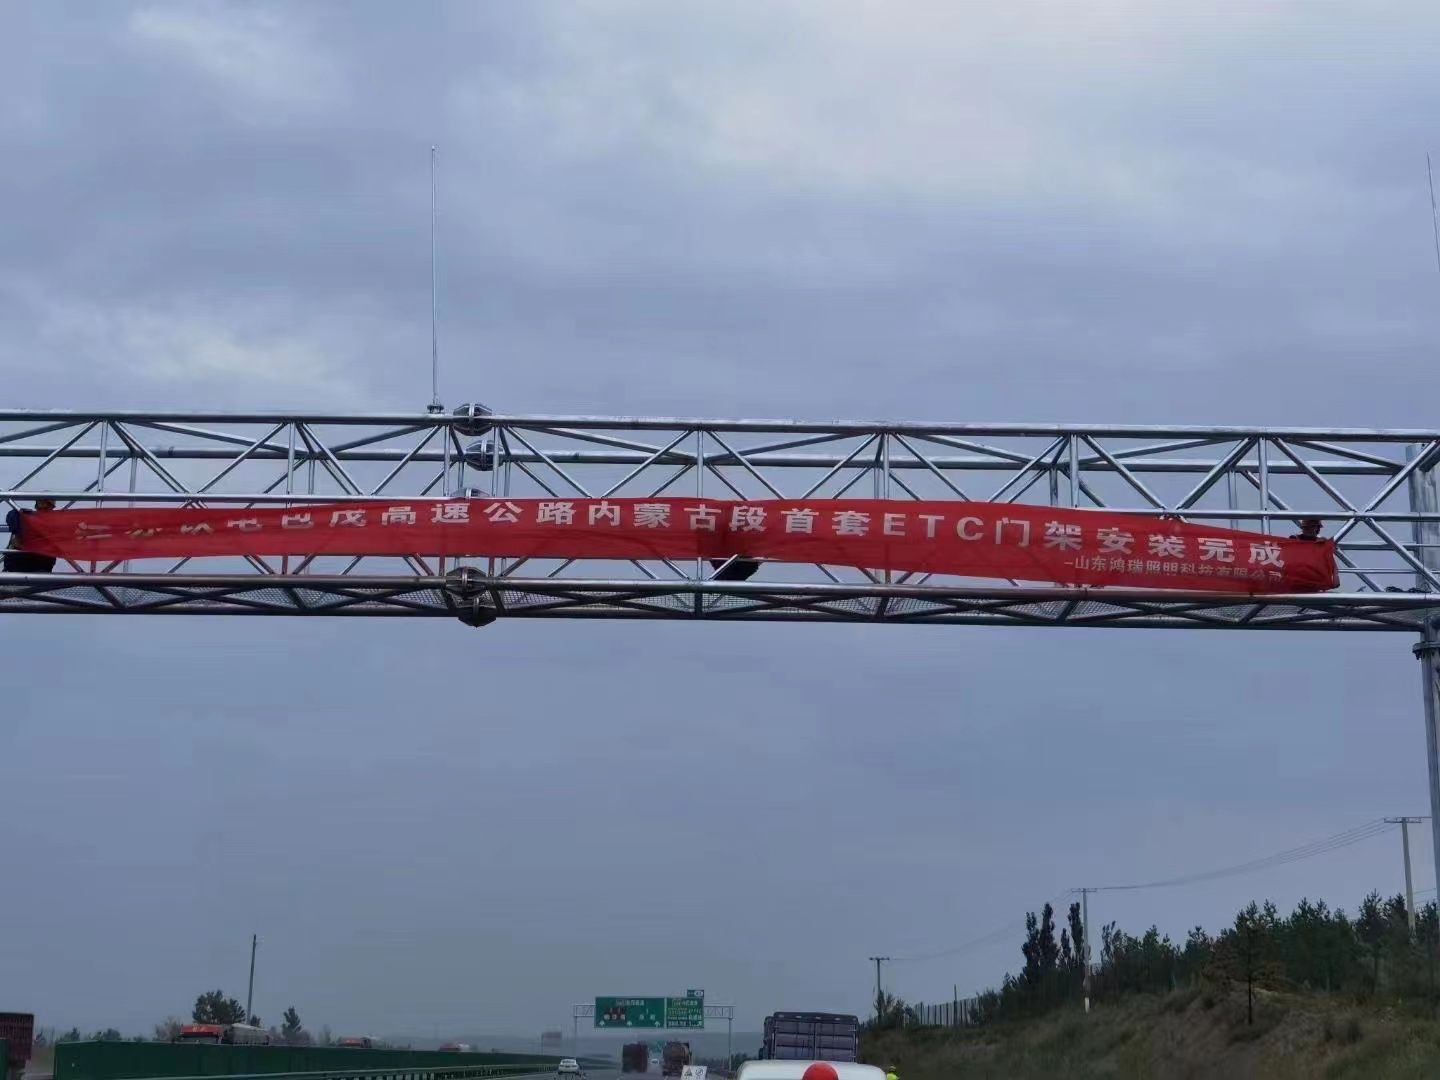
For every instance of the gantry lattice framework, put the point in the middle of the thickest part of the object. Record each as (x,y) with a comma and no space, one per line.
(1374,490)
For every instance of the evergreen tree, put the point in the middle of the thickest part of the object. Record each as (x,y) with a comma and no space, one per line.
(1373,925)
(215,1008)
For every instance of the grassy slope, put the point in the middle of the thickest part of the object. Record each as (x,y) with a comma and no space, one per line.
(1185,1036)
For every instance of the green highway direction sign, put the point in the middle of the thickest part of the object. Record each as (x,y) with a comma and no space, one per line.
(651,1012)
(629,1012)
(685,1012)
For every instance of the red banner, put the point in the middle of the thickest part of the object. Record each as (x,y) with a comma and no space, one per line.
(969,539)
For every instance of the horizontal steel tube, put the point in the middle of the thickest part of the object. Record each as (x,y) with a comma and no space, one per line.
(681,423)
(201,452)
(1007,594)
(220,498)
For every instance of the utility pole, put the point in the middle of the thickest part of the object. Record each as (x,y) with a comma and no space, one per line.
(878,960)
(250,994)
(1405,823)
(1085,945)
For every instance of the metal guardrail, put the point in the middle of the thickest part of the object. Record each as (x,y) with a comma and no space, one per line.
(154,1061)
(400,1072)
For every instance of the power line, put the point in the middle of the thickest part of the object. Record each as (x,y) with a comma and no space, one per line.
(1323,846)
(1280,858)
(1434,216)
(999,934)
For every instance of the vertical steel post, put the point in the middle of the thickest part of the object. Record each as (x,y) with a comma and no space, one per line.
(1262,458)
(1085,927)
(1427,651)
(729,1041)
(882,483)
(134,475)
(460,462)
(289,482)
(290,459)
(1425,500)
(104,455)
(1074,450)
(699,495)
(490,562)
(445,485)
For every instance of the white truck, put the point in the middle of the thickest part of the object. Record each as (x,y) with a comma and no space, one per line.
(801,1070)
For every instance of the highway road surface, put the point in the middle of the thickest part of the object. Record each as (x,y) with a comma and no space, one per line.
(593,1074)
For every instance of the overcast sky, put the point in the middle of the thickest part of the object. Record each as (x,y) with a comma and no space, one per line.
(1052,210)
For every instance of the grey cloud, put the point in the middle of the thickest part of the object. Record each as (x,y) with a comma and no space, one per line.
(1215,227)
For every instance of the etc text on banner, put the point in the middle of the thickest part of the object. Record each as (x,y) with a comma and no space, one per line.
(969,539)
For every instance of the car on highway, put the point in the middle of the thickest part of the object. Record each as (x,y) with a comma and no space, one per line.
(569,1067)
(797,1070)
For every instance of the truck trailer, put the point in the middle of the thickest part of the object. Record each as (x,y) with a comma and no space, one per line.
(811,1036)
(675,1058)
(635,1057)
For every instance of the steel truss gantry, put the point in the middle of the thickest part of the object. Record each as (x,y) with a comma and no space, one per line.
(1375,491)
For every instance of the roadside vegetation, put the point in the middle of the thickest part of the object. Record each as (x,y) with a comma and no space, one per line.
(1316,993)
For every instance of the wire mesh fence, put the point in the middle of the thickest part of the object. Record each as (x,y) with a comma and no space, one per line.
(958,1013)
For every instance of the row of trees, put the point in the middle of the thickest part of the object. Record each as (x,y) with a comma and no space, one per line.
(49,1036)
(1372,955)
(216,1007)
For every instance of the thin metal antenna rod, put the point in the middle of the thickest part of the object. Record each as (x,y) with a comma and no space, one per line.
(435,405)
(1434,217)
